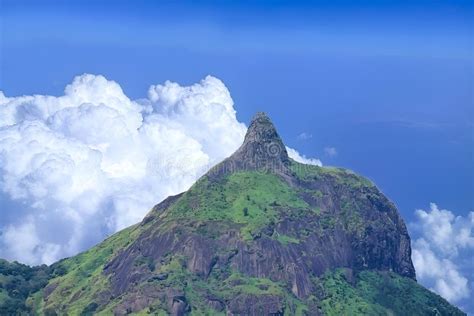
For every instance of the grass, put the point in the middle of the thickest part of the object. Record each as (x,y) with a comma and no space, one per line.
(285,239)
(251,200)
(350,213)
(83,277)
(240,284)
(402,295)
(343,299)
(380,293)
(340,175)
(223,285)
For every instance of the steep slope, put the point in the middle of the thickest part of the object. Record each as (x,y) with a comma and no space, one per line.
(259,234)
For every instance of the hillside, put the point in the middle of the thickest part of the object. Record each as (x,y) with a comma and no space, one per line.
(259,234)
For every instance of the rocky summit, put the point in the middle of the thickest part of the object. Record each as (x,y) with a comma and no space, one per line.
(259,234)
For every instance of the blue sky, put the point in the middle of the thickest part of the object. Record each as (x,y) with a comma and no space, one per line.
(388,84)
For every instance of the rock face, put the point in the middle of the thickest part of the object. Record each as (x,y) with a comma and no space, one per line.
(381,242)
(262,148)
(262,151)
(260,234)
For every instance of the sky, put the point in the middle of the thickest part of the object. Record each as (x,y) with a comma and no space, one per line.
(108,107)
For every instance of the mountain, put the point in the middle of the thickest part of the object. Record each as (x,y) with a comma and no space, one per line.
(259,234)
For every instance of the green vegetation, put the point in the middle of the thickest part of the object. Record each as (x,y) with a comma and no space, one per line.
(368,293)
(201,252)
(359,187)
(285,240)
(222,285)
(350,212)
(254,203)
(318,194)
(249,199)
(17,282)
(241,284)
(340,175)
(380,293)
(236,284)
(344,299)
(82,276)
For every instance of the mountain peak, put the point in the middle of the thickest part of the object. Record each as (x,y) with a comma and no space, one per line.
(261,129)
(262,147)
(291,239)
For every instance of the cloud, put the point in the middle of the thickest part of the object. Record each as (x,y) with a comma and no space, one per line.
(442,252)
(440,274)
(305,136)
(445,231)
(330,151)
(302,158)
(80,166)
(29,248)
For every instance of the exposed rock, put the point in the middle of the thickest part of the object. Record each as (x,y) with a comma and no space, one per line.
(215,248)
(49,289)
(157,209)
(381,242)
(215,304)
(262,150)
(252,305)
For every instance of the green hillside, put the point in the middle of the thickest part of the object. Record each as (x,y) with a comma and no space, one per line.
(259,234)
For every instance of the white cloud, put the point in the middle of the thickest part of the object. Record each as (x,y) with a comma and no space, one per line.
(305,136)
(440,274)
(302,158)
(448,233)
(330,151)
(29,248)
(83,165)
(443,252)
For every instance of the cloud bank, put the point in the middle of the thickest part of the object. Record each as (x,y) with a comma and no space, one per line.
(78,167)
(443,252)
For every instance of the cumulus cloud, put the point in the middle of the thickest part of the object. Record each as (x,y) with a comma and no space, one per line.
(80,166)
(443,252)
